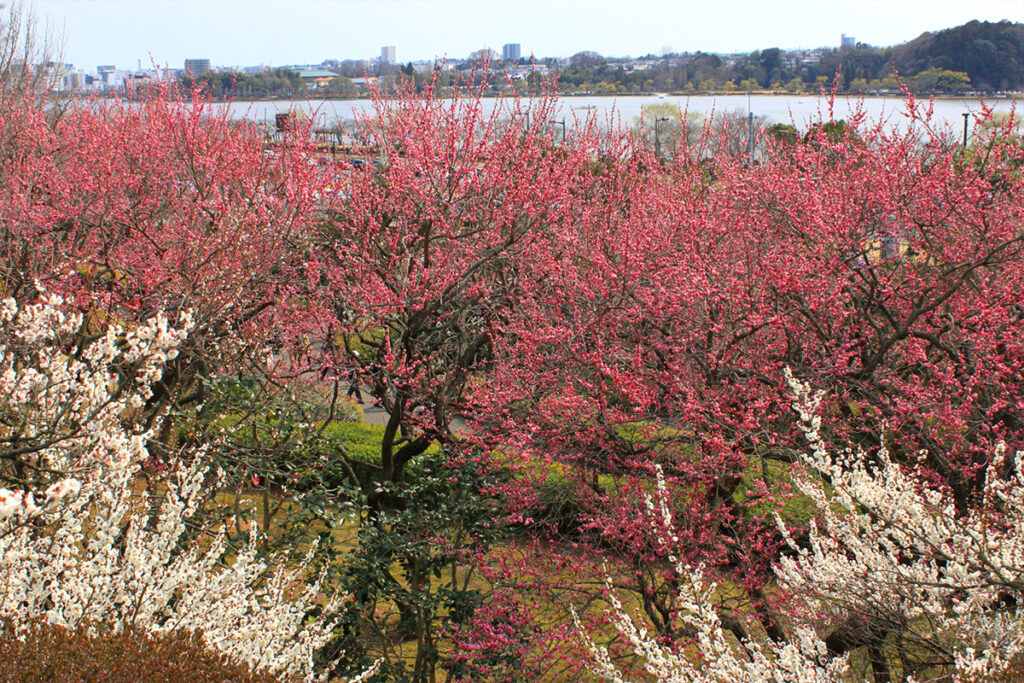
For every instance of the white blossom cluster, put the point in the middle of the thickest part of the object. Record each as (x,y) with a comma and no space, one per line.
(61,409)
(889,546)
(717,659)
(93,552)
(106,559)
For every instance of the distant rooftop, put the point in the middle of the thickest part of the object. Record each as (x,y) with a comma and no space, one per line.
(316,73)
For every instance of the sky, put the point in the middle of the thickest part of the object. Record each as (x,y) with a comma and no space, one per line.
(290,32)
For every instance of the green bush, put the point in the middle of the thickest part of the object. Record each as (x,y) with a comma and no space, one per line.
(417,554)
(52,654)
(357,440)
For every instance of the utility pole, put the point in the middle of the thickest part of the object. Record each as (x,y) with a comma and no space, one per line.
(750,135)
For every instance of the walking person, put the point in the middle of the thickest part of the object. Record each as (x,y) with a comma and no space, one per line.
(354,379)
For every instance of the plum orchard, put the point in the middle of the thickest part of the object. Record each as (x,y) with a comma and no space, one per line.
(416,270)
(595,313)
(882,267)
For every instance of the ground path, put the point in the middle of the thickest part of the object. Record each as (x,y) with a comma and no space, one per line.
(376,415)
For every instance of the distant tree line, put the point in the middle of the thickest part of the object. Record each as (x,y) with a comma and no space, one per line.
(978,56)
(981,56)
(283,82)
(269,83)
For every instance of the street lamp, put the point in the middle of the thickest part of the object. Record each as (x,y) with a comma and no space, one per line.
(563,128)
(966,114)
(750,129)
(657,138)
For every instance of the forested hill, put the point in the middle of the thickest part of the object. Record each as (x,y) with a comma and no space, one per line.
(976,57)
(991,54)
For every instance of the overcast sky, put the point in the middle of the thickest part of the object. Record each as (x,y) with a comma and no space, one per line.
(284,32)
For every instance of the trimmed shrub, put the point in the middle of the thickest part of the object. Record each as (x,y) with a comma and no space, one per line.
(53,654)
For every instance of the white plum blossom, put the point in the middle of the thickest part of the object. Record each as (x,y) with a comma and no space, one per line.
(802,660)
(97,554)
(64,404)
(10,502)
(888,544)
(62,489)
(107,559)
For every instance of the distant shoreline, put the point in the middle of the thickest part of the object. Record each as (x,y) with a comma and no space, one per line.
(327,97)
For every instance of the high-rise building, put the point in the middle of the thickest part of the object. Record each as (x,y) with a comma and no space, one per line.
(197,67)
(847,42)
(106,72)
(388,55)
(510,52)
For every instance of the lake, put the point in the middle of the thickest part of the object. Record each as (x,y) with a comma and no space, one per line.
(798,110)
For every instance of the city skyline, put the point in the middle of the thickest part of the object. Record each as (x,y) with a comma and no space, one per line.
(274,33)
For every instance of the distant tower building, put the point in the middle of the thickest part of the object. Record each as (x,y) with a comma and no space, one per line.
(106,72)
(197,67)
(73,81)
(847,42)
(510,52)
(388,54)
